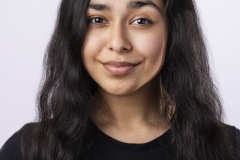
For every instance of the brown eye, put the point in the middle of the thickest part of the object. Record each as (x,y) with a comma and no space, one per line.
(142,21)
(96,20)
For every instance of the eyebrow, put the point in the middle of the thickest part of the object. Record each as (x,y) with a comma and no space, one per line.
(140,4)
(99,7)
(130,5)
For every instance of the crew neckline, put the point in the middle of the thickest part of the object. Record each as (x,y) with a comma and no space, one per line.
(161,141)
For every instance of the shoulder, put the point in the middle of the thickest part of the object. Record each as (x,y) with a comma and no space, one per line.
(234,135)
(11,150)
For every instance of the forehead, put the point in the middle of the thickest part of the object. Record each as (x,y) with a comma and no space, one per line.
(122,6)
(128,4)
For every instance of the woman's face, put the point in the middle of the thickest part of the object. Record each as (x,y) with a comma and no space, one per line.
(125,43)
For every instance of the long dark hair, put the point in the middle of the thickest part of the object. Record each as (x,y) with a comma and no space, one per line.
(63,130)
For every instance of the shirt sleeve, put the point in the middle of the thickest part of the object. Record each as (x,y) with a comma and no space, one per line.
(238,143)
(234,134)
(11,149)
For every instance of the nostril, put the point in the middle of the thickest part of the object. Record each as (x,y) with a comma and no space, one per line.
(119,42)
(120,48)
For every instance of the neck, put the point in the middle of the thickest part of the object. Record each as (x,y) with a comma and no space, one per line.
(135,110)
(132,118)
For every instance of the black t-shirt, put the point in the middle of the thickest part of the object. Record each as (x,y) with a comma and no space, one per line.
(108,148)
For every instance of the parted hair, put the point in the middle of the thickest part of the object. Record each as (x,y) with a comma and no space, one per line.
(64,131)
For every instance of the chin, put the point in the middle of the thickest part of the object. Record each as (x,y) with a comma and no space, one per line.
(119,91)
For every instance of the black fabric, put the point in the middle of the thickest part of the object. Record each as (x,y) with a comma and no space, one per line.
(107,148)
(11,149)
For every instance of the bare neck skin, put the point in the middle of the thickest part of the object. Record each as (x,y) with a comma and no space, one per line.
(133,118)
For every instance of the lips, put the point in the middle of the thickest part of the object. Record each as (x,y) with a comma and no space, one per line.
(119,68)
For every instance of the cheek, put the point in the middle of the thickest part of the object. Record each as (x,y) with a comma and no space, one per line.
(89,42)
(88,52)
(91,49)
(152,47)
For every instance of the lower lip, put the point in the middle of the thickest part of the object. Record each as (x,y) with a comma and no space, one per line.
(119,70)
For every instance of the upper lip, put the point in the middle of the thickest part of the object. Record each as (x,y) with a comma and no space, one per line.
(119,64)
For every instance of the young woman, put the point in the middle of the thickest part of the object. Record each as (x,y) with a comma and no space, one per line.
(126,80)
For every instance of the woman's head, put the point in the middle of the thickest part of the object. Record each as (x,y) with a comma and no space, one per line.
(125,43)
(177,23)
(121,47)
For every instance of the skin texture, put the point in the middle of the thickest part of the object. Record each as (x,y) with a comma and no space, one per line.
(123,52)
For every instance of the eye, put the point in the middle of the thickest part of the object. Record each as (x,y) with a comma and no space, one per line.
(142,21)
(96,20)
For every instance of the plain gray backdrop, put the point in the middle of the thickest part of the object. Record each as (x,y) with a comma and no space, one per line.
(26,27)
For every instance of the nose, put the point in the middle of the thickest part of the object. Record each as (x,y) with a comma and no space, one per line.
(118,39)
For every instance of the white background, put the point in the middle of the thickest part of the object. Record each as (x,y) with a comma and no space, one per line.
(26,27)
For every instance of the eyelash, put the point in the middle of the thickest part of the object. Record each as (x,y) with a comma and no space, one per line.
(103,21)
(90,20)
(148,22)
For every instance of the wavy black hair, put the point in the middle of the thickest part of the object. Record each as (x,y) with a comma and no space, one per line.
(63,131)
